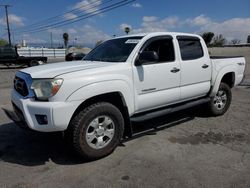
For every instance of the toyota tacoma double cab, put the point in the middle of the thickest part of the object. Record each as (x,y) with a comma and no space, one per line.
(129,78)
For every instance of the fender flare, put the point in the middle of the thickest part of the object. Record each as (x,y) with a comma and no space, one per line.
(220,75)
(94,89)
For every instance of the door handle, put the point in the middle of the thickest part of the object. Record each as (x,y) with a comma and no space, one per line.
(205,66)
(175,70)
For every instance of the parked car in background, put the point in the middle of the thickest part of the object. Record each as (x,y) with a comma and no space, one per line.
(9,56)
(74,56)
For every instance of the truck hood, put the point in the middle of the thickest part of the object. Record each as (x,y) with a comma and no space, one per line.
(56,69)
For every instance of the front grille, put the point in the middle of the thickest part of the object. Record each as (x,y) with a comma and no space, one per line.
(21,86)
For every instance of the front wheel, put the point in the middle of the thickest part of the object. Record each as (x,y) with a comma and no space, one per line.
(97,130)
(220,103)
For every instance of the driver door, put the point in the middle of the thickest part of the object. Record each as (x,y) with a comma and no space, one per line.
(157,83)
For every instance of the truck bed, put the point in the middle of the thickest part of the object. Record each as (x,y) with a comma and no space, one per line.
(237,64)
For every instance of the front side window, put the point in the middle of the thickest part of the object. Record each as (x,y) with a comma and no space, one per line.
(115,50)
(190,48)
(164,49)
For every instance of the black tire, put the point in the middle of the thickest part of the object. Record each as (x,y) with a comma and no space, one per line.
(80,126)
(7,64)
(220,103)
(33,63)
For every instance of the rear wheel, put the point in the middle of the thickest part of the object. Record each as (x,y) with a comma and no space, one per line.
(220,103)
(97,130)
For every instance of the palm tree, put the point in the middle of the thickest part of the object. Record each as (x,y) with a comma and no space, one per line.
(66,39)
(127,30)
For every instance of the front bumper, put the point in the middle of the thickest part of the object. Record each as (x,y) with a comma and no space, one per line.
(58,114)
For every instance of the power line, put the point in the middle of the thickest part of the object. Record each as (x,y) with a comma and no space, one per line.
(53,25)
(60,16)
(80,17)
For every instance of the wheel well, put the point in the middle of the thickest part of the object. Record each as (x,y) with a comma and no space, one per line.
(229,79)
(115,98)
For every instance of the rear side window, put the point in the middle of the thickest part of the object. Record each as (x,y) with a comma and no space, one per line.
(190,48)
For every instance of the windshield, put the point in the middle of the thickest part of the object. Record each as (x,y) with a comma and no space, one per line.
(115,50)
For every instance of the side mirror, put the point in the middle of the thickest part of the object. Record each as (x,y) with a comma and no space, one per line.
(147,56)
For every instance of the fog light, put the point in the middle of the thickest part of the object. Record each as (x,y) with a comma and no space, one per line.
(41,119)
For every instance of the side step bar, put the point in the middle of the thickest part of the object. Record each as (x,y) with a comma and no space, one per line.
(168,110)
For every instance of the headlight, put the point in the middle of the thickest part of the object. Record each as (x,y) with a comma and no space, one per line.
(44,89)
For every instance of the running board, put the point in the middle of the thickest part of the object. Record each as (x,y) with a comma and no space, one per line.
(168,110)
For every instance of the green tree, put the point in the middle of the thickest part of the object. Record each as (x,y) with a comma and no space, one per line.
(3,42)
(207,36)
(65,39)
(218,41)
(127,30)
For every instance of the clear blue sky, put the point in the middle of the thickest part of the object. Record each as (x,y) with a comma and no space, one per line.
(228,17)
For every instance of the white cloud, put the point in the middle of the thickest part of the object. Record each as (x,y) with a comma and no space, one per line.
(238,28)
(89,6)
(149,18)
(171,22)
(13,19)
(86,35)
(90,35)
(136,5)
(235,28)
(70,16)
(154,24)
(199,20)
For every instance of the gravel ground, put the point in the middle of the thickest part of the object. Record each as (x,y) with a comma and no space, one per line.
(190,150)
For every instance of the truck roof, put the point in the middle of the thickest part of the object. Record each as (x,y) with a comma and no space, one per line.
(152,34)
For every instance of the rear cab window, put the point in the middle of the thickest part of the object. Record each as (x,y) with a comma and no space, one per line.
(190,47)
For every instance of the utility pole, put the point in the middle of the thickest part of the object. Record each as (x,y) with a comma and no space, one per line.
(51,40)
(7,21)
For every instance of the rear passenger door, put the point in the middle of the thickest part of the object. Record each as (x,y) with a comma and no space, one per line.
(195,68)
(157,83)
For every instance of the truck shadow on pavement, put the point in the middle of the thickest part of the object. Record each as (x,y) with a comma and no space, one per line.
(33,148)
(28,148)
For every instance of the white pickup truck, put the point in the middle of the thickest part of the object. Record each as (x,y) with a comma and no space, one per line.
(135,77)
